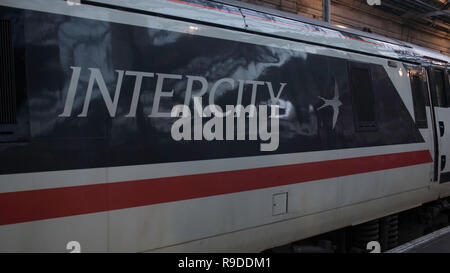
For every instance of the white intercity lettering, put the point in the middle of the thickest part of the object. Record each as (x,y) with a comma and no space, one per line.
(208,123)
(111,101)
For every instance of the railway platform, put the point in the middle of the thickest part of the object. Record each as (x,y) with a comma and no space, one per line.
(435,242)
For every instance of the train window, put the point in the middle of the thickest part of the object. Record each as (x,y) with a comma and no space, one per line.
(448,78)
(7,88)
(418,90)
(447,87)
(363,97)
(440,97)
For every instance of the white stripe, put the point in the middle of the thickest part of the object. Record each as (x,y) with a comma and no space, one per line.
(67,178)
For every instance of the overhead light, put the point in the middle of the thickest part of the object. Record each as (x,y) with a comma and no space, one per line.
(341,26)
(73,2)
(192,29)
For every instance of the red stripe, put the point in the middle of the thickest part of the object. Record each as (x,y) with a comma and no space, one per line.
(23,206)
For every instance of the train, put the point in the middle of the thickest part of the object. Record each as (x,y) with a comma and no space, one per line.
(101,143)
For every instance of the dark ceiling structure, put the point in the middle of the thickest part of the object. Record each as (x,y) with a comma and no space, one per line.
(432,13)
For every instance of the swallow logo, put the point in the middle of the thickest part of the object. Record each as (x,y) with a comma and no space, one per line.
(335,103)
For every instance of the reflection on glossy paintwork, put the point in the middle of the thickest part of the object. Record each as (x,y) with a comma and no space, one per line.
(57,46)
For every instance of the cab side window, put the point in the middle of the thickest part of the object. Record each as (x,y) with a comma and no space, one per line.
(419,93)
(362,97)
(447,86)
(438,87)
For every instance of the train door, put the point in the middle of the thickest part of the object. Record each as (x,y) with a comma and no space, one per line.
(440,97)
(422,110)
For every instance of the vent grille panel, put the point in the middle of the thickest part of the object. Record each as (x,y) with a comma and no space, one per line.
(8,102)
